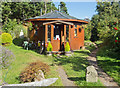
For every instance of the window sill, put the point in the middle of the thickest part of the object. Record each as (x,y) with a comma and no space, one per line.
(75,37)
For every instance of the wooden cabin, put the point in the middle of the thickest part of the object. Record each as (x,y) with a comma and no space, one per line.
(58,28)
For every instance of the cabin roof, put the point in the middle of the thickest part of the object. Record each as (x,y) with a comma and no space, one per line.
(55,14)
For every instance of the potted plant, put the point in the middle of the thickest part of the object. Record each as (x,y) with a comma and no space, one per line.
(67,49)
(49,49)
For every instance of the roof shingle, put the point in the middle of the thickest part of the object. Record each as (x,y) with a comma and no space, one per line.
(55,14)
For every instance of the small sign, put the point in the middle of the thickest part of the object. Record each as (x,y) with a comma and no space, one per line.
(57,37)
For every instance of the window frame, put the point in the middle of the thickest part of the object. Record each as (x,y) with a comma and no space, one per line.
(49,31)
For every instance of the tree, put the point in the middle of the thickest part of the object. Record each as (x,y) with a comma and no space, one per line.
(24,10)
(14,13)
(108,12)
(63,7)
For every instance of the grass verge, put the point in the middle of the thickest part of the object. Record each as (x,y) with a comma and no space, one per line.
(23,58)
(109,61)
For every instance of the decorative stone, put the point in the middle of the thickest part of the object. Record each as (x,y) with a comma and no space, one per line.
(91,75)
(39,76)
(21,34)
(45,82)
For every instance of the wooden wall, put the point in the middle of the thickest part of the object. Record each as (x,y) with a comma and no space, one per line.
(76,41)
(40,33)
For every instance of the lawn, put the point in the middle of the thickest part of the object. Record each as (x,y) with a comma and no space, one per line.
(109,61)
(75,67)
(23,58)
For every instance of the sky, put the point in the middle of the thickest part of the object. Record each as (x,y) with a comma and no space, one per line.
(80,9)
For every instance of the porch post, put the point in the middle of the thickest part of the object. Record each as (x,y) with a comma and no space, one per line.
(52,32)
(46,34)
(69,32)
(64,33)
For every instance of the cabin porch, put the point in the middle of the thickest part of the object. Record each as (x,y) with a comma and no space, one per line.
(55,32)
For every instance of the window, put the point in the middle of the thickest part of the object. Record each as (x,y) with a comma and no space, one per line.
(56,32)
(75,26)
(79,29)
(67,32)
(49,32)
(36,32)
(75,32)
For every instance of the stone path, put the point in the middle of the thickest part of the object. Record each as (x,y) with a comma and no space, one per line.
(104,78)
(66,82)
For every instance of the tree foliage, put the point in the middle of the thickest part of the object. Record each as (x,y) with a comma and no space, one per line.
(63,7)
(24,10)
(101,23)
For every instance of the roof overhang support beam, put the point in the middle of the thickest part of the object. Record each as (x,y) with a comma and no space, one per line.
(58,22)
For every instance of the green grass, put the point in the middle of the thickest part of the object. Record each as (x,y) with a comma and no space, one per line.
(75,67)
(109,61)
(23,58)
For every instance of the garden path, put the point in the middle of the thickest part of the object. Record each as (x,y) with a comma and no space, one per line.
(104,78)
(66,82)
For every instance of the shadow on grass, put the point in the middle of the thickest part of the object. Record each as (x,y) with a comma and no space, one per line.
(78,62)
(84,52)
(76,78)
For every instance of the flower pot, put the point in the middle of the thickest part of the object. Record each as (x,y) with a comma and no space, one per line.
(49,53)
(68,53)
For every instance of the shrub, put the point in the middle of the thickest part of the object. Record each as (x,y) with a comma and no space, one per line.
(6,38)
(49,48)
(67,47)
(7,57)
(19,41)
(17,29)
(28,75)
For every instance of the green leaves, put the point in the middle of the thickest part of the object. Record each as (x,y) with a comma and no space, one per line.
(24,10)
(106,20)
(63,7)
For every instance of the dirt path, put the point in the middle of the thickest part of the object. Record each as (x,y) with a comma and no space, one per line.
(104,78)
(66,82)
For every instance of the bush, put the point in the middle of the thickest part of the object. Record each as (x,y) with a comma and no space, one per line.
(17,29)
(49,48)
(28,75)
(7,57)
(6,38)
(12,27)
(67,47)
(19,41)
